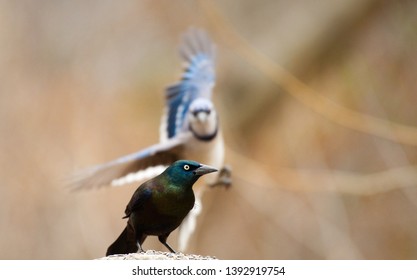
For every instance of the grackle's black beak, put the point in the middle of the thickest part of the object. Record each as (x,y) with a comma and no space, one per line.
(204,169)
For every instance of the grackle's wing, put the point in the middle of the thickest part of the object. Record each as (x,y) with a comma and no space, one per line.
(108,174)
(139,198)
(197,81)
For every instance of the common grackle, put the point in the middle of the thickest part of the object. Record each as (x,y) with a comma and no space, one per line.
(159,205)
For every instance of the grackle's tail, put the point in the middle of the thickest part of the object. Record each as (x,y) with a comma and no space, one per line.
(124,244)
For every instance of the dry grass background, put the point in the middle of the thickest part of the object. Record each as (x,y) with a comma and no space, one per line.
(82,83)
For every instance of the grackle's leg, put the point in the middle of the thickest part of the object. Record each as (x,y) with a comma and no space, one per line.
(141,238)
(163,240)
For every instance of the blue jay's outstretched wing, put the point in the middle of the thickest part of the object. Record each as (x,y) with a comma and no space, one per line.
(125,169)
(197,81)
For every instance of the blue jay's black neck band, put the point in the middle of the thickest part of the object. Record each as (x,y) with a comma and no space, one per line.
(205,138)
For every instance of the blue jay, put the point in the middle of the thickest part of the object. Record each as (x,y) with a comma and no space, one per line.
(189,130)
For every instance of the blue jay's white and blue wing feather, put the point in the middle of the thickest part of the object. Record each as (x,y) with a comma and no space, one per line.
(197,80)
(126,169)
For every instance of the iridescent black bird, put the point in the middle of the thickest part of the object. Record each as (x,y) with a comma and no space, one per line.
(159,205)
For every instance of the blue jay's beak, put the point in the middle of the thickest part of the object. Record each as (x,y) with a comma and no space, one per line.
(204,169)
(201,115)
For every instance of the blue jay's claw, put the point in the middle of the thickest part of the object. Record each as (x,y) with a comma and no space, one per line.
(224,179)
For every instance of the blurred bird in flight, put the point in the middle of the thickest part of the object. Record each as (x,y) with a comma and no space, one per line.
(158,206)
(189,130)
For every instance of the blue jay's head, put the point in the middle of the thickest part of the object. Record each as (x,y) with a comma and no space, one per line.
(202,118)
(186,172)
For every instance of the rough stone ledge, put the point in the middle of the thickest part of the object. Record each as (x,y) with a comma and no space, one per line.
(157,255)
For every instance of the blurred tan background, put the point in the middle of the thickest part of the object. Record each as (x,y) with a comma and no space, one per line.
(82,83)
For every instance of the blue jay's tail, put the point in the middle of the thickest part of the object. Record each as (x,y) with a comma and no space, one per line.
(189,224)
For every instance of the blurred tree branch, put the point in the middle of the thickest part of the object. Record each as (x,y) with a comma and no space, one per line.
(337,113)
(315,180)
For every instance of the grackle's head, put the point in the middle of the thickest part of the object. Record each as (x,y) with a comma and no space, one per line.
(186,172)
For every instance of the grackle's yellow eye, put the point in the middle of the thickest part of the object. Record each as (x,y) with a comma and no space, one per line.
(186,167)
